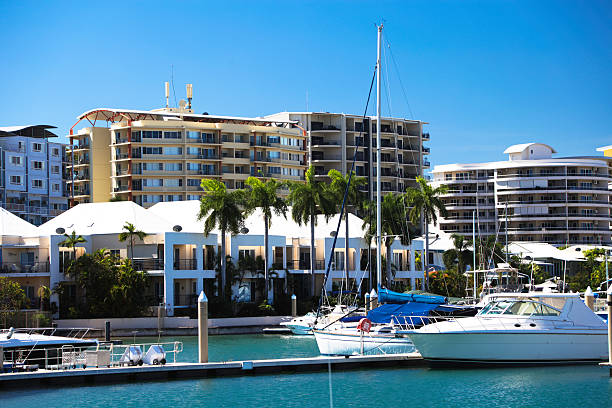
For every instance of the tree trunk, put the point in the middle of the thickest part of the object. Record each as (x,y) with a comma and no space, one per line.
(266,255)
(222,255)
(312,253)
(426,260)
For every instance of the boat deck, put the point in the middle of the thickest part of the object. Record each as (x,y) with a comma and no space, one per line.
(91,375)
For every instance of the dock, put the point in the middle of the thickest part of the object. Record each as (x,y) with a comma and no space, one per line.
(106,375)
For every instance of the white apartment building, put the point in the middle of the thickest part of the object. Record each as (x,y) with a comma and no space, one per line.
(333,139)
(561,201)
(32,183)
(180,260)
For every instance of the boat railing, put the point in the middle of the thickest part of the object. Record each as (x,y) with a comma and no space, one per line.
(104,354)
(409,323)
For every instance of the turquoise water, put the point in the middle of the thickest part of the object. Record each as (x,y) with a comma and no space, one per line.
(577,386)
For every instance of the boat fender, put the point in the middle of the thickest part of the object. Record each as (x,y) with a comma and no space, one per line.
(365,325)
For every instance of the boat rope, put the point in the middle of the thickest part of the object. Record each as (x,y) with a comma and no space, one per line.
(344,199)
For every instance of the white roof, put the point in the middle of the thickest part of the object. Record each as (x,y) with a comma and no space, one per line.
(519,148)
(105,218)
(604,148)
(184,213)
(508,164)
(10,224)
(541,250)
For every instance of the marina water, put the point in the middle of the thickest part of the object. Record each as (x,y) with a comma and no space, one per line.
(584,386)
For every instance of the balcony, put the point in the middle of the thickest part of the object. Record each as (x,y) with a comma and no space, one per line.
(18,267)
(319,127)
(426,149)
(322,142)
(426,163)
(148,264)
(425,136)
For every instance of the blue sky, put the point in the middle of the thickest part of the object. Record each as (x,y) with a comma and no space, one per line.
(484,74)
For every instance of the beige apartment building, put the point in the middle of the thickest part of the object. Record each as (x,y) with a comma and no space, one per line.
(560,201)
(333,139)
(161,155)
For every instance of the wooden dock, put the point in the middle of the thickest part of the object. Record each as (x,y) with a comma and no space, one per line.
(91,375)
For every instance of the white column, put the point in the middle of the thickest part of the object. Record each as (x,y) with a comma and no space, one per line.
(169,293)
(199,257)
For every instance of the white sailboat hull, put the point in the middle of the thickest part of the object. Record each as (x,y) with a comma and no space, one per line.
(349,344)
(512,347)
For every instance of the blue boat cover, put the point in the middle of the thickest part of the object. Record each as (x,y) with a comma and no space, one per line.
(388,312)
(388,296)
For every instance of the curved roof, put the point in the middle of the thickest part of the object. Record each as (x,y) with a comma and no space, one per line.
(518,148)
(105,218)
(39,131)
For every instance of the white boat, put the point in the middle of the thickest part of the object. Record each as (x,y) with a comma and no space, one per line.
(343,340)
(301,325)
(517,328)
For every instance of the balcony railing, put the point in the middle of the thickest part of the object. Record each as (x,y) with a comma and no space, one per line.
(185,264)
(18,267)
(185,300)
(305,265)
(148,264)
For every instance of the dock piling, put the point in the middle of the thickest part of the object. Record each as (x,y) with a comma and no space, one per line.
(107,331)
(293,305)
(367,302)
(203,328)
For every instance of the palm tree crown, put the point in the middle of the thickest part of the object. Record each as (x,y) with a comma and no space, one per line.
(131,233)
(71,241)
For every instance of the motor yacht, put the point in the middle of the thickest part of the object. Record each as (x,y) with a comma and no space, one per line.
(516,328)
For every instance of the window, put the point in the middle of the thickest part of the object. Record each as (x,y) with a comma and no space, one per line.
(115,252)
(15,180)
(152,166)
(191,134)
(173,182)
(37,147)
(173,151)
(38,165)
(273,139)
(152,150)
(193,182)
(174,166)
(16,160)
(37,183)
(151,134)
(152,182)
(172,135)
(55,169)
(56,188)
(55,152)
(274,170)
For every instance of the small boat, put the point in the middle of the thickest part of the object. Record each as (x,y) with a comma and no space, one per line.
(301,325)
(516,328)
(26,346)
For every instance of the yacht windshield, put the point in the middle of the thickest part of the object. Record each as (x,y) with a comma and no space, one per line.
(519,308)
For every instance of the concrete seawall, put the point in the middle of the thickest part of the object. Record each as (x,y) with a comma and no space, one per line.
(178,326)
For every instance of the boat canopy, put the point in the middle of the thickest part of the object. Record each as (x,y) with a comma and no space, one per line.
(388,296)
(389,312)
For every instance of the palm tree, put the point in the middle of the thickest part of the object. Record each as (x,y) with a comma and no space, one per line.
(44,293)
(264,195)
(309,199)
(460,253)
(221,209)
(71,241)
(354,198)
(130,232)
(425,202)
(394,223)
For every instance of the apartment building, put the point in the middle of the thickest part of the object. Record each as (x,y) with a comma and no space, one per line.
(560,201)
(162,155)
(32,181)
(335,138)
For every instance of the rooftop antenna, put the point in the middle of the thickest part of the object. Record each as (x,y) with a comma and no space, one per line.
(189,95)
(167,94)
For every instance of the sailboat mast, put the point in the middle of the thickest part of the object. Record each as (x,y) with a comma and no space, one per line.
(378,191)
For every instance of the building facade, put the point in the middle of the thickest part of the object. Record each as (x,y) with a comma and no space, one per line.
(32,182)
(561,201)
(335,138)
(162,155)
